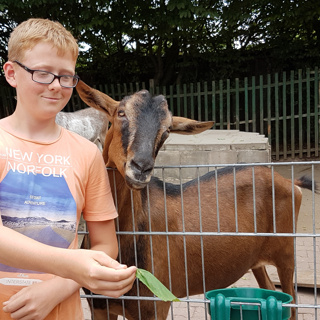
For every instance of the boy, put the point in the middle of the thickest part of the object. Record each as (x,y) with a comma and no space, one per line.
(48,176)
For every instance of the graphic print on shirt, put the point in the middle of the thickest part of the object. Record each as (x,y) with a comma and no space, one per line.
(38,205)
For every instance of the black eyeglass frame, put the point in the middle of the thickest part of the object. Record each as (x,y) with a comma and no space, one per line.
(76,77)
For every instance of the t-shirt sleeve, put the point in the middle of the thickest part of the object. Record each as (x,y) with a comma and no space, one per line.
(99,204)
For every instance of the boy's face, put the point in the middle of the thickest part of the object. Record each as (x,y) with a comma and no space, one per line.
(43,100)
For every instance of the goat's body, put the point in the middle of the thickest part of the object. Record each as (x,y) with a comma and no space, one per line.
(89,123)
(226,258)
(247,208)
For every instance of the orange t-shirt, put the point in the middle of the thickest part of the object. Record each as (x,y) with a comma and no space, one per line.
(44,188)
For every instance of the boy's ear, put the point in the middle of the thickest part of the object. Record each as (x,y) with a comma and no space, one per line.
(10,74)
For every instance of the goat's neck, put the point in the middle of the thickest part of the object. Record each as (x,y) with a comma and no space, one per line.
(128,202)
(107,142)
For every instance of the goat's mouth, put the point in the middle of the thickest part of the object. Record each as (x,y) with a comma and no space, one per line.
(136,184)
(136,178)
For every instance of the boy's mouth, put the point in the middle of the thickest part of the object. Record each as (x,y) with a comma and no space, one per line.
(52,98)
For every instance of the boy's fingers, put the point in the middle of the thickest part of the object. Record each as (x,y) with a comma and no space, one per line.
(107,261)
(123,283)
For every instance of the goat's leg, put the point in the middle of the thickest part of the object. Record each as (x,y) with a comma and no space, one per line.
(286,279)
(263,278)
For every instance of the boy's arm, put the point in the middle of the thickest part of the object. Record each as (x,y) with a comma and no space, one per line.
(37,301)
(103,237)
(91,269)
(40,299)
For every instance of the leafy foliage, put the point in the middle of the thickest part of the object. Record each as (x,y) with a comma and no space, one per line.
(173,41)
(155,286)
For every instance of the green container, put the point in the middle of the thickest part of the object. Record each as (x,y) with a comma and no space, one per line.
(248,304)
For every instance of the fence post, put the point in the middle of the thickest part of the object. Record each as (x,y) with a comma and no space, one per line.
(151,86)
(284,114)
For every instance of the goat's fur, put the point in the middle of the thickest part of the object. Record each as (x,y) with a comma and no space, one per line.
(89,123)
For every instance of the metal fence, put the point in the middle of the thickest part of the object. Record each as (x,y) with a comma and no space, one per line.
(306,239)
(283,106)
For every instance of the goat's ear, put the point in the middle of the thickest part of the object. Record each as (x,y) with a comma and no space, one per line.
(187,126)
(97,99)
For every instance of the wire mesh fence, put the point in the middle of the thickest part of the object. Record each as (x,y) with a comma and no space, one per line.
(218,231)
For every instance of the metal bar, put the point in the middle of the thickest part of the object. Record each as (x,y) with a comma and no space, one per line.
(199,101)
(254,200)
(228,105)
(269,108)
(221,103)
(167,230)
(284,115)
(191,101)
(308,102)
(237,105)
(214,233)
(246,103)
(184,242)
(253,101)
(206,107)
(235,199)
(276,106)
(185,100)
(178,101)
(292,102)
(316,110)
(300,113)
(150,239)
(261,104)
(201,240)
(171,102)
(213,101)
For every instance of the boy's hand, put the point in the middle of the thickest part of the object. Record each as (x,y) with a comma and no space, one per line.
(101,274)
(32,303)
(94,270)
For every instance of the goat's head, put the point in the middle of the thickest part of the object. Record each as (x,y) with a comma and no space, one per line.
(140,124)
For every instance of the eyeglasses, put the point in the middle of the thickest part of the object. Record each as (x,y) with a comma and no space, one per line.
(46,77)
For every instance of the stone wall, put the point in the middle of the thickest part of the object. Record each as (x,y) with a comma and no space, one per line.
(209,148)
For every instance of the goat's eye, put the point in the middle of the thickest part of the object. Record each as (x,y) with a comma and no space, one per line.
(166,134)
(121,114)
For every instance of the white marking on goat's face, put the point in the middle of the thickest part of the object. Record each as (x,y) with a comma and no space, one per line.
(144,126)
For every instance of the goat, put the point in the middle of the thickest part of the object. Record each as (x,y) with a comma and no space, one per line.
(140,125)
(89,123)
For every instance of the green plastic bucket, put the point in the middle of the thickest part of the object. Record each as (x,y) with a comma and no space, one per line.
(248,304)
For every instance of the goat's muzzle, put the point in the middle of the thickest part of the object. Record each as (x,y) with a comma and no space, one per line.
(138,175)
(137,184)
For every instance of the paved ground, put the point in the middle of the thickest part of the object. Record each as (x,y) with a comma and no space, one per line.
(307,255)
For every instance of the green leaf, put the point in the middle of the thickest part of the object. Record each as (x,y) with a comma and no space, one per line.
(155,286)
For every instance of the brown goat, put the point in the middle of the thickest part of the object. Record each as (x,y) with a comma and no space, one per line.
(140,125)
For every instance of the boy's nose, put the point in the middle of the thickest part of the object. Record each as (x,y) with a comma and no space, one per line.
(55,84)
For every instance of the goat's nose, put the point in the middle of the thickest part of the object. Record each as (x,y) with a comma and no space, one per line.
(142,167)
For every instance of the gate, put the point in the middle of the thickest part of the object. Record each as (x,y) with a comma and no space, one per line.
(306,245)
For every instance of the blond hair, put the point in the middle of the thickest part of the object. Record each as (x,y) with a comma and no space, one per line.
(29,33)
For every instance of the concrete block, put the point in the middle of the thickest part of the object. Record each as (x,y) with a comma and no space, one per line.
(223,157)
(209,148)
(171,158)
(194,157)
(167,174)
(253,156)
(165,159)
